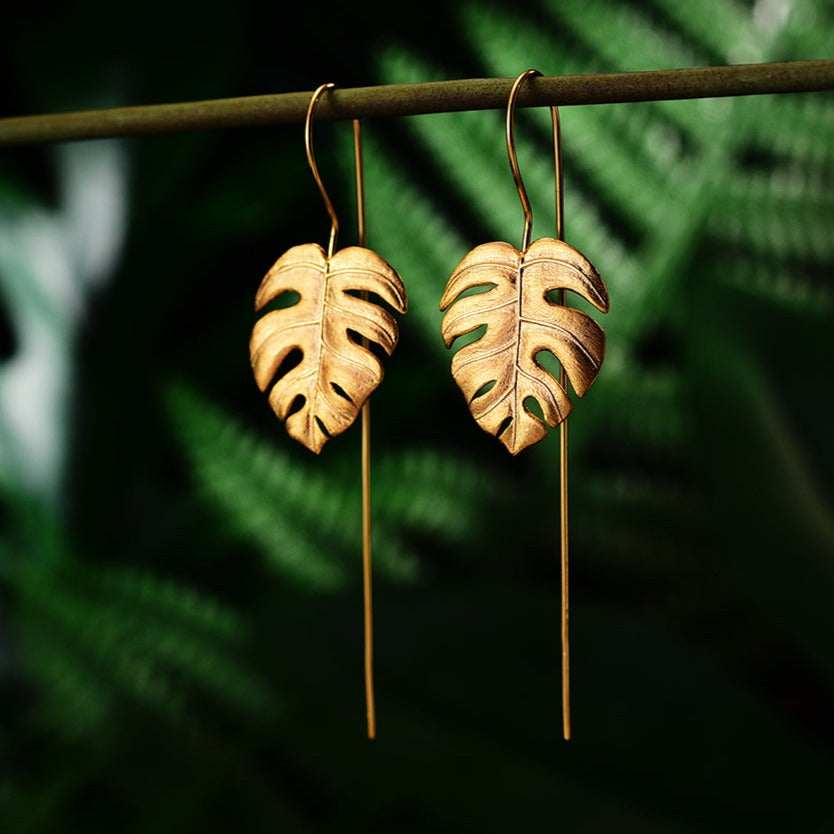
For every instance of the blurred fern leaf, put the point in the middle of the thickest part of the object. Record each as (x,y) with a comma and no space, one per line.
(305,518)
(93,638)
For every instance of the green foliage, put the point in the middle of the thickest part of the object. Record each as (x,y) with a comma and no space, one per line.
(307,522)
(95,639)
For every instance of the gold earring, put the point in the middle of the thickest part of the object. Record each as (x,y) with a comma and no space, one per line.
(331,325)
(322,395)
(499,372)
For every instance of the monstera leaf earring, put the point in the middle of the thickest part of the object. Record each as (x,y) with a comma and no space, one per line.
(331,326)
(321,396)
(520,298)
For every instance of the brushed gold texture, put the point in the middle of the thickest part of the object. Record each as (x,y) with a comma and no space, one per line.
(498,371)
(322,395)
(331,324)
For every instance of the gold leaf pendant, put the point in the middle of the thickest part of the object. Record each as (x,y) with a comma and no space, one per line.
(499,371)
(322,395)
(518,298)
(332,324)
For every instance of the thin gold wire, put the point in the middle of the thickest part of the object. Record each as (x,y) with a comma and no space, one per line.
(366,468)
(563,426)
(311,159)
(563,443)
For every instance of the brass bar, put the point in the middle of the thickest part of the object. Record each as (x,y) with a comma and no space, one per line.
(429,97)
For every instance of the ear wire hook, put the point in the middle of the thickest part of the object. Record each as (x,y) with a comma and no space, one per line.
(511,152)
(311,159)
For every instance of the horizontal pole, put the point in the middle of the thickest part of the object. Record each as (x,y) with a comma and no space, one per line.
(418,99)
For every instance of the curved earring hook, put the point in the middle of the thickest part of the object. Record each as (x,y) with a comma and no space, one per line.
(311,159)
(519,183)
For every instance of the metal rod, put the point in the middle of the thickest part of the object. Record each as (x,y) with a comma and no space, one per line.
(366,469)
(430,97)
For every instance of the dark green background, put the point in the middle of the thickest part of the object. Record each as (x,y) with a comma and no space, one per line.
(180,631)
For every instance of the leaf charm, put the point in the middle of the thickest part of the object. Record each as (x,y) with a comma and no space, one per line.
(521,321)
(336,373)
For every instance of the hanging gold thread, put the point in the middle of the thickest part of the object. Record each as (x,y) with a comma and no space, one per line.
(563,446)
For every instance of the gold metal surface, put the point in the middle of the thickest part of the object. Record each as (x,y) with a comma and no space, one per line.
(563,549)
(520,321)
(336,374)
(367,587)
(321,396)
(498,371)
(427,97)
(563,446)
(519,182)
(367,591)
